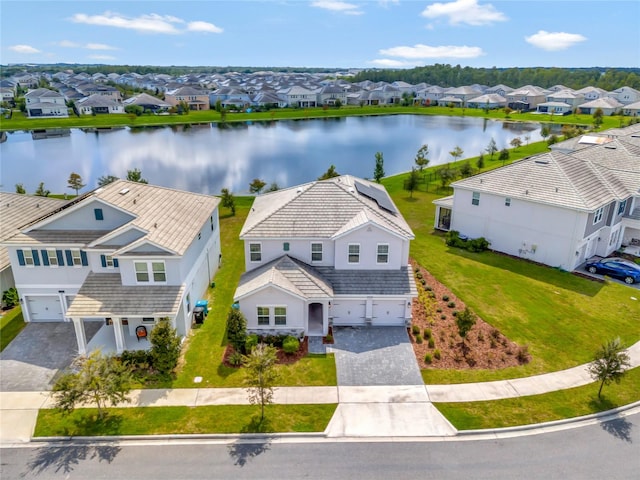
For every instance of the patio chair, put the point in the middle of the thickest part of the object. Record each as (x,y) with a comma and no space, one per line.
(141,332)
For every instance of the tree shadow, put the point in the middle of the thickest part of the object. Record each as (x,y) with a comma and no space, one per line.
(66,457)
(258,425)
(620,428)
(243,451)
(94,425)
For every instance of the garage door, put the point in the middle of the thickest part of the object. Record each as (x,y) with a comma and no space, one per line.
(347,312)
(44,309)
(388,313)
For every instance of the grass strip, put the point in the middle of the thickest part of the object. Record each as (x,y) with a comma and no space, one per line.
(184,420)
(570,403)
(11,324)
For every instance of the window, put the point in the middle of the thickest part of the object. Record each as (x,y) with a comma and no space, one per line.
(285,246)
(142,272)
(53,257)
(76,257)
(255,252)
(598,215)
(98,213)
(280,315)
(622,207)
(28,258)
(263,315)
(354,253)
(316,252)
(475,198)
(507,202)
(148,320)
(188,302)
(159,274)
(383,253)
(108,259)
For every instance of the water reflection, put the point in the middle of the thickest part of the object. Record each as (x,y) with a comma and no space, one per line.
(207,157)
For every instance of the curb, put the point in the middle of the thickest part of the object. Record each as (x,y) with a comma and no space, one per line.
(185,436)
(555,423)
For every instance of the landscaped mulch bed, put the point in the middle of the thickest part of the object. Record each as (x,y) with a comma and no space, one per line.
(485,347)
(283,358)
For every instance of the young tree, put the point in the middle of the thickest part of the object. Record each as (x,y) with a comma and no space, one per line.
(504,155)
(609,364)
(597,117)
(236,330)
(480,162)
(456,153)
(20,188)
(378,171)
(273,187)
(228,201)
(41,191)
(99,379)
(75,182)
(527,138)
(165,347)
(507,111)
(135,175)
(491,148)
(330,173)
(466,170)
(516,142)
(256,185)
(411,182)
(422,159)
(106,180)
(446,175)
(545,132)
(465,321)
(261,375)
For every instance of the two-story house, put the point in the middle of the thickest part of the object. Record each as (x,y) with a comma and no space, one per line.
(43,102)
(126,255)
(196,98)
(555,208)
(526,98)
(332,252)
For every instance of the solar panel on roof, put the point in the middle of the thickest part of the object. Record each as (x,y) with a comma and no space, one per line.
(379,196)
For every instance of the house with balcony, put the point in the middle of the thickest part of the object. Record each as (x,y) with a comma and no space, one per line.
(556,208)
(125,255)
(331,252)
(43,102)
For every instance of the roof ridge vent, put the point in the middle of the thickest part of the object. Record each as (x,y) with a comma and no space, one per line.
(542,162)
(610,147)
(124,191)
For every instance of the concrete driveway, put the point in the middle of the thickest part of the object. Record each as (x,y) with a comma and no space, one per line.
(32,359)
(374,356)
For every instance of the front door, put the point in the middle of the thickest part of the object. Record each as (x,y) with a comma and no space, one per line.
(316,320)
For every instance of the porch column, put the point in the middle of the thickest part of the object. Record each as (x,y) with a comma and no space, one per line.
(81,337)
(117,329)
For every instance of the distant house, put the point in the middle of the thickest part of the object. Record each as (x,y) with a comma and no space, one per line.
(568,97)
(526,98)
(124,255)
(463,94)
(500,89)
(8,95)
(554,108)
(298,96)
(43,102)
(332,252)
(608,105)
(632,110)
(98,104)
(88,89)
(147,102)
(196,98)
(626,95)
(555,208)
(488,100)
(592,93)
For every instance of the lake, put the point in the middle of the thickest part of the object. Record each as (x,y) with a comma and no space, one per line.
(206,158)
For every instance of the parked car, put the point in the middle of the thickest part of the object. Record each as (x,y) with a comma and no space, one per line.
(616,267)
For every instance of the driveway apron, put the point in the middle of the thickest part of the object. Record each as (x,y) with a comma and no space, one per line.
(32,359)
(374,356)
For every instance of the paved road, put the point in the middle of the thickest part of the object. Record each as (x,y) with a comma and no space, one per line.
(608,450)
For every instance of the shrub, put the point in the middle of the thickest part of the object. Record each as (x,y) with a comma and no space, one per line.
(140,359)
(480,337)
(451,304)
(418,338)
(452,239)
(445,298)
(432,342)
(423,281)
(443,317)
(419,275)
(415,329)
(236,330)
(250,342)
(235,359)
(493,343)
(165,347)
(428,359)
(436,354)
(495,333)
(427,288)
(417,270)
(439,310)
(290,345)
(478,245)
(329,338)
(523,355)
(455,314)
(427,333)
(10,297)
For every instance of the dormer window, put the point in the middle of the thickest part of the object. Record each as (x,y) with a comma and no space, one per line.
(354,253)
(597,217)
(98,213)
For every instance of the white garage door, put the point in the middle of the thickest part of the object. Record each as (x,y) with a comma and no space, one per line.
(388,313)
(347,312)
(44,309)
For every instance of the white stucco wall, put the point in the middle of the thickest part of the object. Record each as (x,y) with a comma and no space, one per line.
(274,297)
(369,236)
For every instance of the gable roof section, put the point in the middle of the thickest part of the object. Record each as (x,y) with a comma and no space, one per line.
(319,209)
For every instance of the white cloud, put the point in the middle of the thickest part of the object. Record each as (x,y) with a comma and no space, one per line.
(151,23)
(68,44)
(554,40)
(337,6)
(24,49)
(99,46)
(465,12)
(387,62)
(203,27)
(426,51)
(102,57)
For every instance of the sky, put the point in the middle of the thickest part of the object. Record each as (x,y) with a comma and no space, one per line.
(323,33)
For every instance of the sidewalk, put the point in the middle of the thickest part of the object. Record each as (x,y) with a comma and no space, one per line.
(363,411)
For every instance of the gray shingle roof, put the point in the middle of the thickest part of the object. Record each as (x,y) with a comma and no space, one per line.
(103,295)
(318,210)
(370,282)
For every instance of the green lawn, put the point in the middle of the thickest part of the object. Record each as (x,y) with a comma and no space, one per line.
(185,420)
(11,324)
(20,122)
(561,317)
(570,403)
(208,341)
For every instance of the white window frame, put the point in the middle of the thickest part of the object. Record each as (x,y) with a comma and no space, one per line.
(383,254)
(597,216)
(28,258)
(256,252)
(315,244)
(108,261)
(262,315)
(76,256)
(145,272)
(349,253)
(52,255)
(622,207)
(188,301)
(475,198)
(150,272)
(278,317)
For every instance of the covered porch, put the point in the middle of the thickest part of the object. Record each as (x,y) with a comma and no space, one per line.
(444,209)
(631,232)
